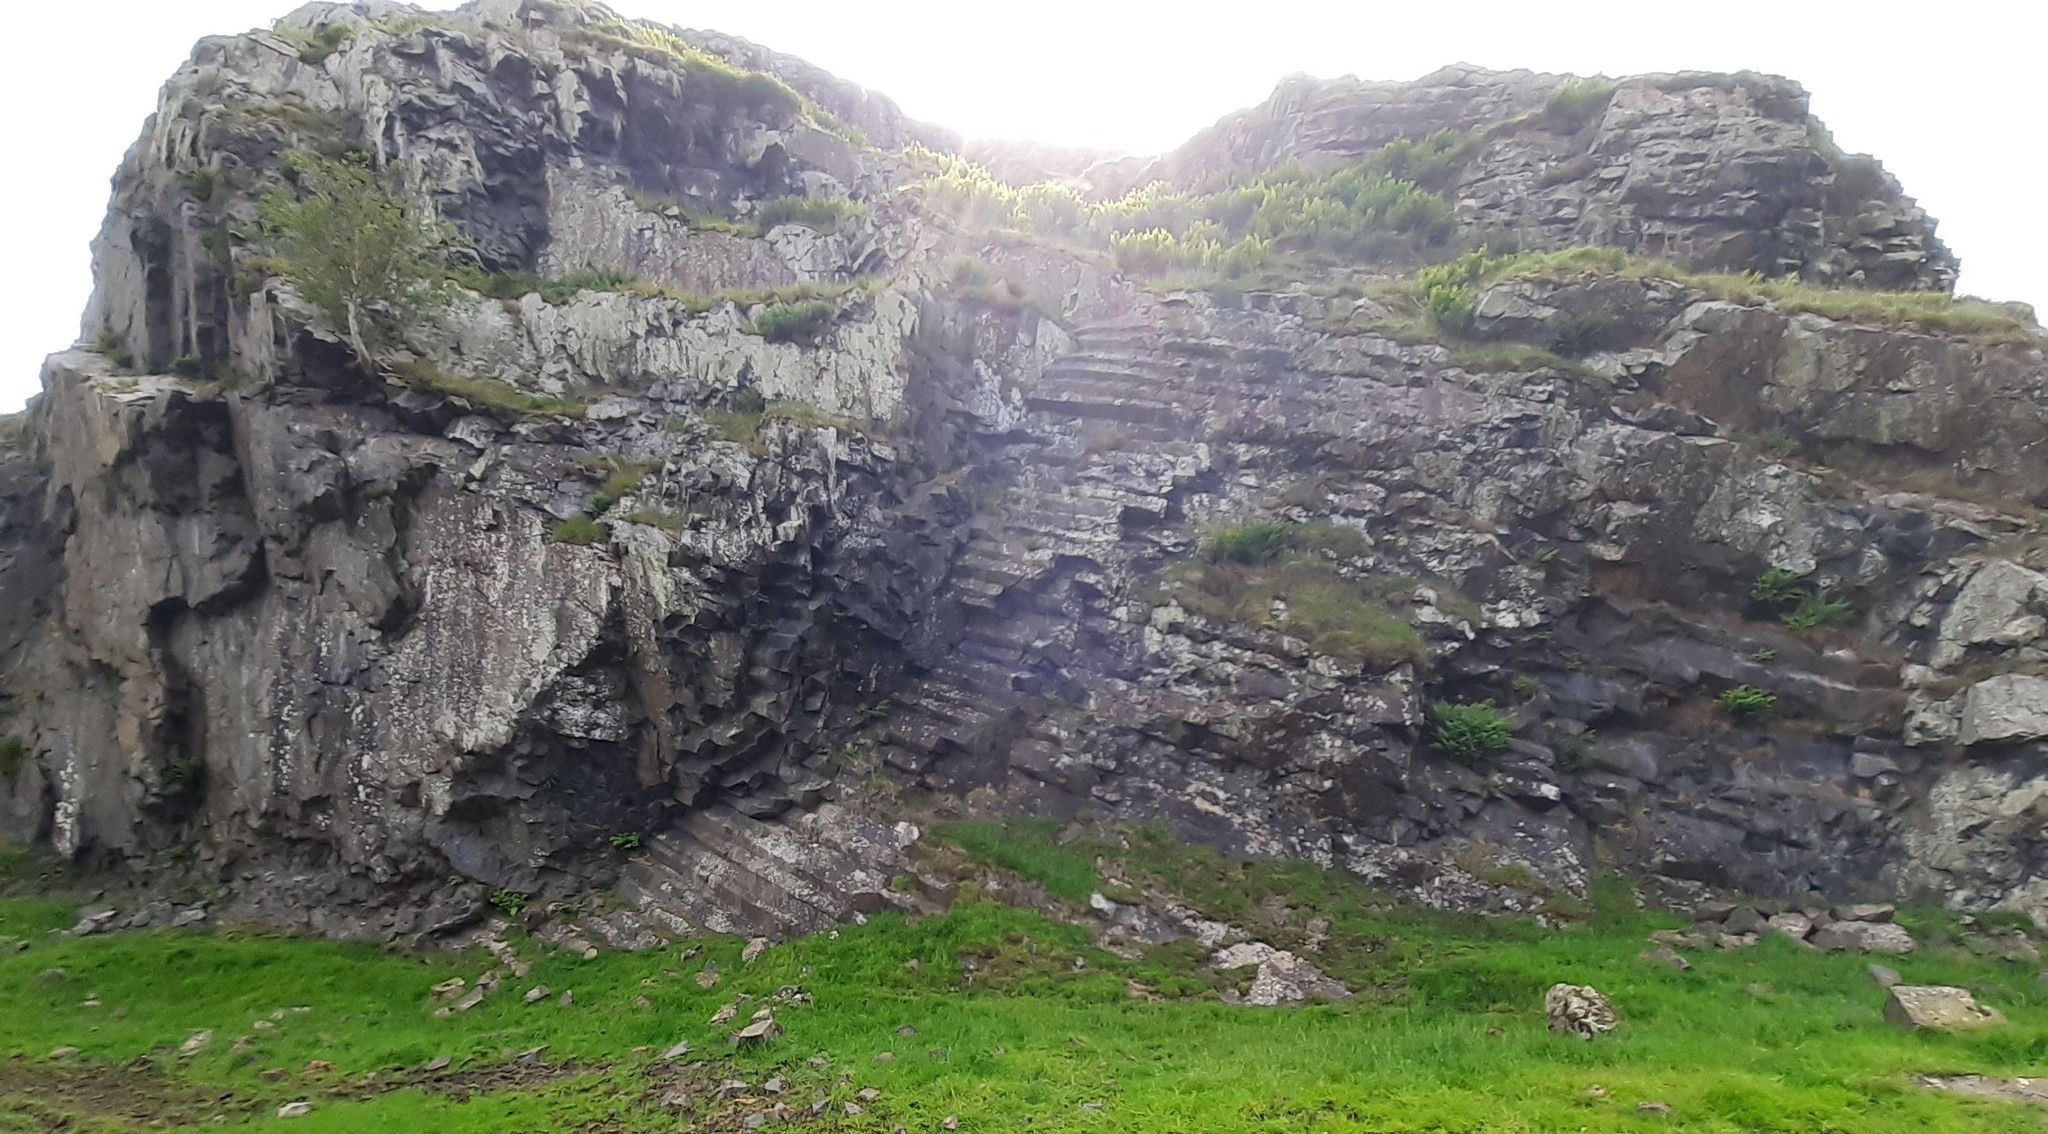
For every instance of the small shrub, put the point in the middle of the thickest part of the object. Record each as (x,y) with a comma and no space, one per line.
(1253,544)
(579,531)
(1764,655)
(1574,753)
(512,902)
(1816,610)
(1576,336)
(200,183)
(1472,733)
(185,777)
(1747,702)
(1576,102)
(1527,686)
(13,754)
(626,841)
(315,47)
(1777,586)
(188,366)
(794,322)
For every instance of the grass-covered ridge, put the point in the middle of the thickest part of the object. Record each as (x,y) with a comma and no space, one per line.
(1292,578)
(1012,1016)
(1929,310)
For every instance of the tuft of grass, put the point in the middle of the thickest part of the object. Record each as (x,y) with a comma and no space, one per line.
(825,214)
(794,322)
(580,531)
(13,756)
(1028,847)
(315,47)
(486,393)
(1933,311)
(1777,586)
(1576,102)
(1747,703)
(1472,733)
(655,518)
(1253,544)
(1816,610)
(1308,598)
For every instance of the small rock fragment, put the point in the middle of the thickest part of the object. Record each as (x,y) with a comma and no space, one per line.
(725,1013)
(437,1064)
(62,1053)
(298,1109)
(1885,976)
(538,993)
(676,1052)
(755,947)
(1653,1107)
(318,1067)
(196,1042)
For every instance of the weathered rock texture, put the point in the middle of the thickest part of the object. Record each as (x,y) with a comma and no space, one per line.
(309,631)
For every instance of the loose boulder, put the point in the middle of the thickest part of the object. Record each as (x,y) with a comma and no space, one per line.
(1938,1008)
(1863,937)
(1578,1010)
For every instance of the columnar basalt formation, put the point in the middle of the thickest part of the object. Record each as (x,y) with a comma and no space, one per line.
(608,555)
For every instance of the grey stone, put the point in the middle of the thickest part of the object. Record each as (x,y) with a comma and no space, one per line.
(1883,976)
(1938,1008)
(1862,937)
(298,1109)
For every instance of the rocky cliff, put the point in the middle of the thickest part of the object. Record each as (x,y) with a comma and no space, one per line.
(778,480)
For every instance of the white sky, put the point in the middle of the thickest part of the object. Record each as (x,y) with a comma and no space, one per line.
(1949,96)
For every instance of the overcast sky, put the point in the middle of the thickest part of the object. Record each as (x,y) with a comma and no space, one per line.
(1949,96)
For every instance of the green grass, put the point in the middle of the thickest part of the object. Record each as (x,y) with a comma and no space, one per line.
(1337,615)
(1934,311)
(487,393)
(1446,1034)
(580,531)
(1027,847)
(794,322)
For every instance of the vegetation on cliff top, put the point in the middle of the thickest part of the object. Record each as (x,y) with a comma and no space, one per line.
(990,1016)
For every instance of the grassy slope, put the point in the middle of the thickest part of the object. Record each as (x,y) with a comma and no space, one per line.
(1447,1036)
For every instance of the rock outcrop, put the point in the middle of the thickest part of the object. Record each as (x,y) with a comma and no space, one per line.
(603,586)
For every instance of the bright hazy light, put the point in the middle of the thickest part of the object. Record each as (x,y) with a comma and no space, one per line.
(1948,96)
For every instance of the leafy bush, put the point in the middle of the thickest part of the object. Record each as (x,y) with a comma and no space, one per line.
(1472,732)
(1253,544)
(794,322)
(315,47)
(1450,308)
(578,530)
(511,901)
(1777,586)
(1816,610)
(1576,102)
(356,248)
(625,841)
(1747,702)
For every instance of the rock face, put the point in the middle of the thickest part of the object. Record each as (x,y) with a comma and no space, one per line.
(610,589)
(1727,172)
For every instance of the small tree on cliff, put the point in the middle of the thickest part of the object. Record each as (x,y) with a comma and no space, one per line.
(357,249)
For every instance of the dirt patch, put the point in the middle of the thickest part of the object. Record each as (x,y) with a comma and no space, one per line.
(2033,1091)
(58,1096)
